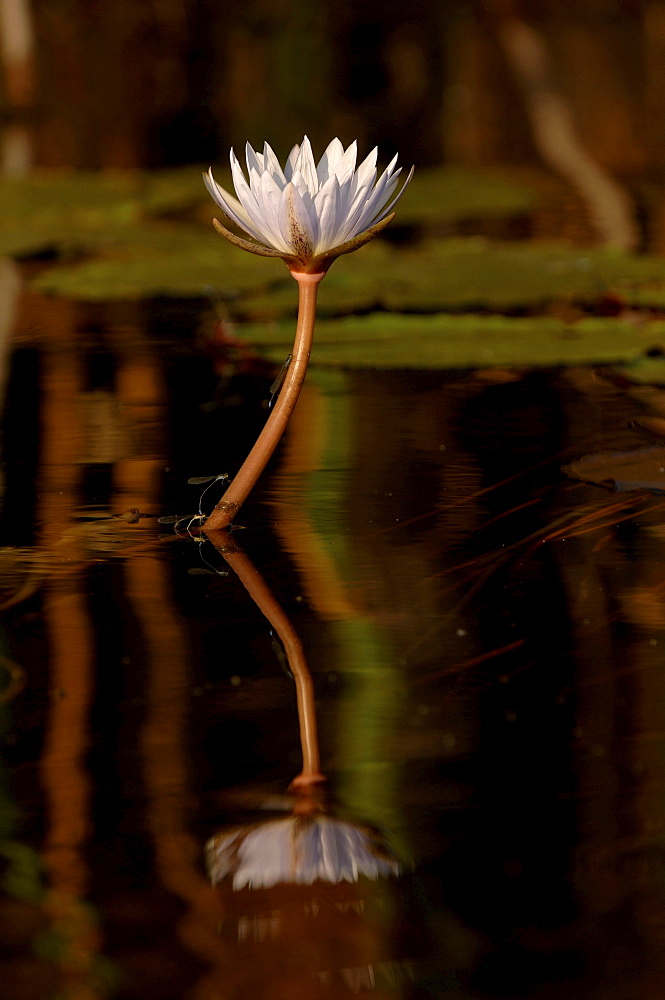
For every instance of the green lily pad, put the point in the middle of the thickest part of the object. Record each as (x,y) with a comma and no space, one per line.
(441,275)
(181,188)
(469,274)
(644,370)
(64,209)
(61,209)
(390,340)
(164,260)
(443,194)
(42,211)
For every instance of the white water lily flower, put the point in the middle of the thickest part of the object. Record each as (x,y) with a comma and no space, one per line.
(307,213)
(299,850)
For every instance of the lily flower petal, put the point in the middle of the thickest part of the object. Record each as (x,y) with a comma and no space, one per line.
(272,165)
(307,168)
(326,203)
(254,160)
(231,206)
(308,213)
(326,166)
(291,162)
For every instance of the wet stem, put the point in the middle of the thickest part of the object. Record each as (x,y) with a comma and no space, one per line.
(275,426)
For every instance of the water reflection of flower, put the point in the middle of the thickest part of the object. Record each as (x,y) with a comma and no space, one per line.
(301,850)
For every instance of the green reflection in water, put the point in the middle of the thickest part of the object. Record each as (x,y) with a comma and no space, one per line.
(373,695)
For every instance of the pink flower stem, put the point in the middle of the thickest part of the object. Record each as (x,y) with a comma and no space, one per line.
(275,425)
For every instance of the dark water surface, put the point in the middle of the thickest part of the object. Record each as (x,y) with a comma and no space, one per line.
(486,642)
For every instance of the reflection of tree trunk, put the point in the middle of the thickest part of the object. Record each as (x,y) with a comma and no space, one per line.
(162,748)
(140,391)
(65,778)
(554,130)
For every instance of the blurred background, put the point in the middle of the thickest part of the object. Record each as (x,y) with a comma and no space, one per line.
(153,84)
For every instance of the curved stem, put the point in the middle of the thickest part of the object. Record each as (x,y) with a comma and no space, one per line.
(276,423)
(266,602)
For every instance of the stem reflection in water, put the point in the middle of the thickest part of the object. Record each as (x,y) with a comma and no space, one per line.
(265,601)
(308,897)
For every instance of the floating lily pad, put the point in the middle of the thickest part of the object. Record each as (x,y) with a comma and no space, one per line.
(62,208)
(177,189)
(468,274)
(645,370)
(43,211)
(391,340)
(442,194)
(442,275)
(166,259)
(642,469)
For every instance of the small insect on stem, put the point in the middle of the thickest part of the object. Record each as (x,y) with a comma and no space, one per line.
(210,480)
(279,381)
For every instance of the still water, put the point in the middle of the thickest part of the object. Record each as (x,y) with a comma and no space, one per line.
(485,638)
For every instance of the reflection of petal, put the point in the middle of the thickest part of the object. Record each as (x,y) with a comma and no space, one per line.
(361,978)
(299,850)
(257,929)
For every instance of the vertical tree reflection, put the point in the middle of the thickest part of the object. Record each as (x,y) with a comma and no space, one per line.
(66,780)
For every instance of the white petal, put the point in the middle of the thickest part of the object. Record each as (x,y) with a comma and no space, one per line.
(360,193)
(254,160)
(307,167)
(255,181)
(387,208)
(361,218)
(379,197)
(291,162)
(272,165)
(346,191)
(243,189)
(326,166)
(308,204)
(270,196)
(347,163)
(367,168)
(231,206)
(327,210)
(294,215)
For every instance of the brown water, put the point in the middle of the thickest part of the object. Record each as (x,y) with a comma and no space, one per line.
(486,642)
